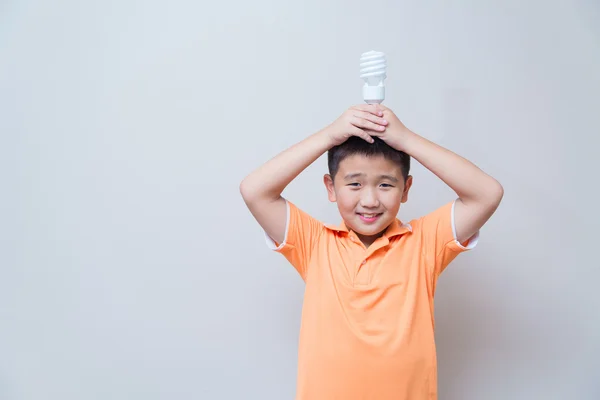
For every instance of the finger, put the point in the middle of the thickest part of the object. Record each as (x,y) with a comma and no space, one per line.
(368,138)
(381,109)
(370,117)
(363,134)
(373,133)
(366,124)
(370,108)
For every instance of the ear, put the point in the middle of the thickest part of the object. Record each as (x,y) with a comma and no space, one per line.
(407,185)
(328,180)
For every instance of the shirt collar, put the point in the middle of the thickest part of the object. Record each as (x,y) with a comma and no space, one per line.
(394,229)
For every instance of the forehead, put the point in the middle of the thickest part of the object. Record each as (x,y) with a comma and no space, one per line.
(370,166)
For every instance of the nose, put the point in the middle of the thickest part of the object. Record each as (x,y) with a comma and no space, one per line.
(369,199)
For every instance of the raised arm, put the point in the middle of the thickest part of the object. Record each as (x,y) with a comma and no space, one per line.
(479,194)
(262,189)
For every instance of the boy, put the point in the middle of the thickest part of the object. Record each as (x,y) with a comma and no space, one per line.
(367,327)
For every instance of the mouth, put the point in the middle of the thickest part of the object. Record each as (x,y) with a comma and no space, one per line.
(369,218)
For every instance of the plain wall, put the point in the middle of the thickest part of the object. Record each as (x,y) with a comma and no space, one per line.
(129,265)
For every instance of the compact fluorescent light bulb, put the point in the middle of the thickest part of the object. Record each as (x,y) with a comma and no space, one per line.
(372,70)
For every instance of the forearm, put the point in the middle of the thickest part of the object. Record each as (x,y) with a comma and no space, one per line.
(469,182)
(270,179)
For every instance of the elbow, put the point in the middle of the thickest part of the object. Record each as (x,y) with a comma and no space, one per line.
(245,190)
(250,192)
(253,191)
(495,193)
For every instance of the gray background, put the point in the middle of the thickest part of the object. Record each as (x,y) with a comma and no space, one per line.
(129,266)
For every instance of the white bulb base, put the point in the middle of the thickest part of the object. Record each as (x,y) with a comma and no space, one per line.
(373,94)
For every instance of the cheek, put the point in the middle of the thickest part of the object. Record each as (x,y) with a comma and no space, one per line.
(391,199)
(347,199)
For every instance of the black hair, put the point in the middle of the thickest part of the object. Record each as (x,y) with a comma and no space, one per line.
(356,145)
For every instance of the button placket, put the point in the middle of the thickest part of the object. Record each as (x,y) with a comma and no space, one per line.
(362,273)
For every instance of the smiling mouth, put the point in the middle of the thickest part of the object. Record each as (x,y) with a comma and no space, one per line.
(371,217)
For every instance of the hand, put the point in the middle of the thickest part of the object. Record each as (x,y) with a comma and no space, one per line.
(363,121)
(395,133)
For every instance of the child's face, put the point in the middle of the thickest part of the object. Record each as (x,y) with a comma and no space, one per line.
(368,192)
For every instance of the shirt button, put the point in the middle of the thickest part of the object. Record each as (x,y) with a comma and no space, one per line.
(364,262)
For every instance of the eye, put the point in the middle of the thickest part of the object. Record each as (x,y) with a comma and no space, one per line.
(354,184)
(387,185)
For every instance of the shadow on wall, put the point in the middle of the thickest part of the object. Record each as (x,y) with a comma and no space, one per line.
(497,337)
(5,392)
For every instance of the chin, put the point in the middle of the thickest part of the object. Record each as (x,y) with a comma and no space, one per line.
(373,229)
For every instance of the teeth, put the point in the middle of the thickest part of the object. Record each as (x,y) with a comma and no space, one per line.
(369,215)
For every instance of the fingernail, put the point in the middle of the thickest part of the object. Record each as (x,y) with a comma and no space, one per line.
(385,121)
(381,128)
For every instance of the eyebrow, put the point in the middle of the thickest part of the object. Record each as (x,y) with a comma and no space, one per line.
(360,175)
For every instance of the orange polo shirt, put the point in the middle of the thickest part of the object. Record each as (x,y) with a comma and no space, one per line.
(367,329)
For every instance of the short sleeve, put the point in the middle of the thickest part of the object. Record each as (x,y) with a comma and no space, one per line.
(439,238)
(301,234)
